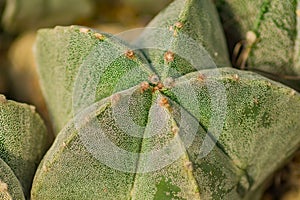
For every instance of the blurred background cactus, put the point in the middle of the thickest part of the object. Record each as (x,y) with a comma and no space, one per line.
(248,27)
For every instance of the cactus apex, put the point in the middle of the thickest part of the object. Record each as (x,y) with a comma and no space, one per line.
(154,79)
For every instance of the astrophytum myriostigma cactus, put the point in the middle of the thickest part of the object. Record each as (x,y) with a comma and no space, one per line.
(23,140)
(268,29)
(162,118)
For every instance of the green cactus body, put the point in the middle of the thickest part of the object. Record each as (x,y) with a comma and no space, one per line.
(61,61)
(18,15)
(10,187)
(197,20)
(23,140)
(75,45)
(233,170)
(272,28)
(155,110)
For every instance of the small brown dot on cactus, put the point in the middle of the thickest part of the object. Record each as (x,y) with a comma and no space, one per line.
(216,54)
(178,25)
(144,86)
(154,79)
(160,85)
(129,54)
(269,84)
(298,13)
(169,56)
(164,102)
(84,30)
(64,144)
(188,165)
(155,89)
(201,77)
(255,101)
(2,99)
(235,77)
(171,28)
(3,187)
(99,36)
(44,168)
(251,37)
(32,108)
(175,130)
(293,92)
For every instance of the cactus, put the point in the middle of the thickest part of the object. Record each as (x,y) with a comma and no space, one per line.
(10,187)
(171,101)
(270,30)
(23,140)
(75,44)
(19,15)
(234,170)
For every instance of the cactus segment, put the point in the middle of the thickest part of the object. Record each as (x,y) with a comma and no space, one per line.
(257,109)
(187,29)
(10,187)
(23,140)
(78,57)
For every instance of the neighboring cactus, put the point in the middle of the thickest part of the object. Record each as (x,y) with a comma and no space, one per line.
(271,30)
(20,15)
(23,140)
(10,187)
(170,99)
